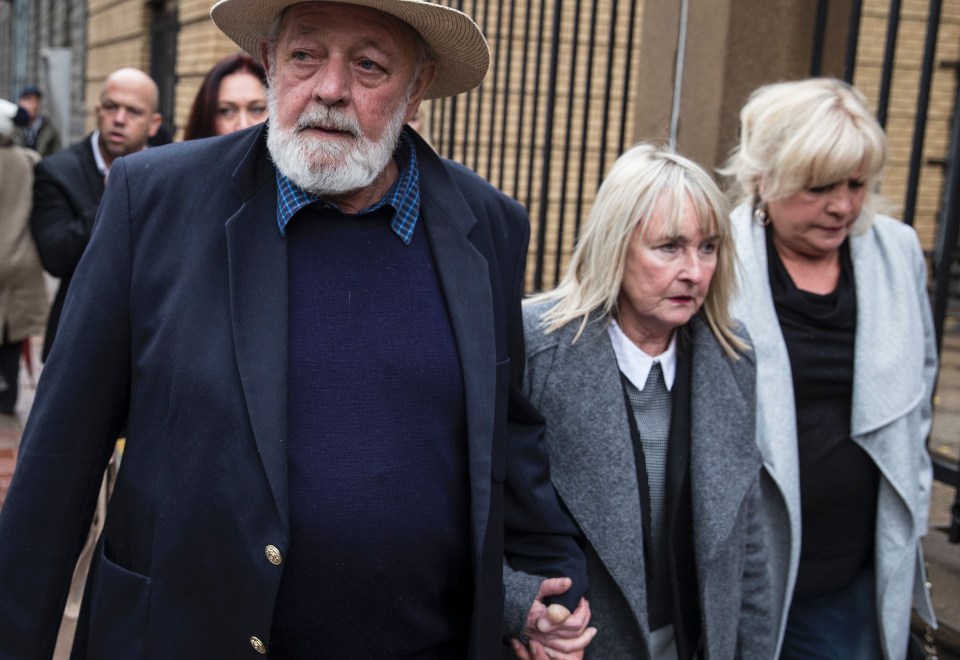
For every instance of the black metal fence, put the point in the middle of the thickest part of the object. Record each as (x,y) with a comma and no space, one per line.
(556,109)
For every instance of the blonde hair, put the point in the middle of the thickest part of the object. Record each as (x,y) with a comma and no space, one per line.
(641,180)
(804,134)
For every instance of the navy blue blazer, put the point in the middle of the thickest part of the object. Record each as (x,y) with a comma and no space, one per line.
(67,188)
(176,327)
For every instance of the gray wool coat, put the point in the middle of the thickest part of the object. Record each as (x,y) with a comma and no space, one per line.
(23,294)
(895,365)
(577,388)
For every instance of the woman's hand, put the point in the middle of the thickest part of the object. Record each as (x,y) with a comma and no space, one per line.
(555,633)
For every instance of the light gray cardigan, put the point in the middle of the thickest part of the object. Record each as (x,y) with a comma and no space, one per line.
(895,366)
(577,388)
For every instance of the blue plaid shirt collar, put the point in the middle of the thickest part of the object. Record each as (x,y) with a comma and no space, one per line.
(403,196)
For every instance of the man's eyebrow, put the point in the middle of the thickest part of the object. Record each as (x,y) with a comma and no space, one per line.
(366,42)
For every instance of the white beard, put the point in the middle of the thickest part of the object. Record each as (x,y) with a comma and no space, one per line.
(330,168)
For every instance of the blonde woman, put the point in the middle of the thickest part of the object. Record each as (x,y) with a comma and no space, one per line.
(835,299)
(647,390)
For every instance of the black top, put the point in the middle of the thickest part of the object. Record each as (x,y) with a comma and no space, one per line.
(838,480)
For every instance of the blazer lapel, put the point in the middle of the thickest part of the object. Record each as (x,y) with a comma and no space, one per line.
(92,177)
(591,456)
(464,277)
(258,303)
(724,461)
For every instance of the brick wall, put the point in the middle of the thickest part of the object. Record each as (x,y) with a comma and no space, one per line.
(117,36)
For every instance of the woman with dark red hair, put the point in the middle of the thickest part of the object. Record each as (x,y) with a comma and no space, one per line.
(232,97)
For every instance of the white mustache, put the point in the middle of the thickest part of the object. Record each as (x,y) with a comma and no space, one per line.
(328,119)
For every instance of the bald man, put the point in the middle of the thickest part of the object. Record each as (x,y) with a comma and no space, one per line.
(68,185)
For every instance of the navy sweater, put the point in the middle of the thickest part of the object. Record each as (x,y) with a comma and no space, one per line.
(379,559)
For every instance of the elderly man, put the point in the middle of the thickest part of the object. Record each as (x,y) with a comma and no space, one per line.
(68,185)
(312,333)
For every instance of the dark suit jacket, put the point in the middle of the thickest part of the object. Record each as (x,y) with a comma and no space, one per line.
(67,188)
(578,389)
(176,325)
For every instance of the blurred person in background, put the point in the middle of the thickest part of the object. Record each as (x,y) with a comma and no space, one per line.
(68,186)
(231,97)
(647,389)
(23,298)
(39,134)
(834,296)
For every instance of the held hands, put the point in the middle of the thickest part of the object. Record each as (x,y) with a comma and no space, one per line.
(554,632)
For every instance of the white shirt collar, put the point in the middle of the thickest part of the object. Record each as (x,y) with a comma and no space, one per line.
(97,156)
(635,364)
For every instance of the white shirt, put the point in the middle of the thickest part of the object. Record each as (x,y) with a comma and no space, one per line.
(635,364)
(97,156)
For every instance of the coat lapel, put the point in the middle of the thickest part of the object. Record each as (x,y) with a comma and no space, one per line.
(258,303)
(885,385)
(464,276)
(591,456)
(775,413)
(724,461)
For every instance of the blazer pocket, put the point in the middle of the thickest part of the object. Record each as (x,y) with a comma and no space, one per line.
(498,466)
(119,604)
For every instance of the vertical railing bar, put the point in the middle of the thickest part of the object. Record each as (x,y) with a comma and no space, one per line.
(678,69)
(585,128)
(624,103)
(819,37)
(920,118)
(889,52)
(950,222)
(568,132)
(508,67)
(497,65)
(452,129)
(607,94)
(853,38)
(548,142)
(534,117)
(523,102)
(438,117)
(479,97)
(455,105)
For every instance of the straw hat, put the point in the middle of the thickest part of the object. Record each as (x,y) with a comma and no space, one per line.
(454,40)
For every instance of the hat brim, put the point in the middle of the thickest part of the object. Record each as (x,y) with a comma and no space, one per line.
(454,40)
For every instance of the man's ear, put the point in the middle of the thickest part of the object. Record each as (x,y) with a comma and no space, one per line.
(265,56)
(420,87)
(156,120)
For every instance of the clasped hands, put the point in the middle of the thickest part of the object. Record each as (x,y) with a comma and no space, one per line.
(554,632)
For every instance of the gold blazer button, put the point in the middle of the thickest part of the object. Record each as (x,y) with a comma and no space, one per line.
(273,555)
(258,645)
